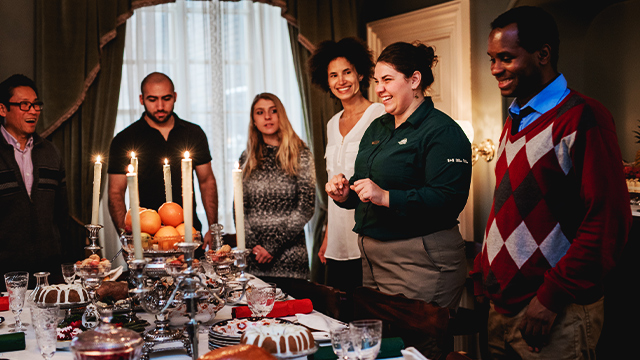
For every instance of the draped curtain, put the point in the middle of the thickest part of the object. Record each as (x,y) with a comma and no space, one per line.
(78,66)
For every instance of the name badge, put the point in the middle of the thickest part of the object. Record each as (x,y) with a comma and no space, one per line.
(375,142)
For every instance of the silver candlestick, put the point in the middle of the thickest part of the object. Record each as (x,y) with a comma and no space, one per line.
(94,230)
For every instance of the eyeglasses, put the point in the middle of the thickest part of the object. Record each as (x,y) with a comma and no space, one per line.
(26,106)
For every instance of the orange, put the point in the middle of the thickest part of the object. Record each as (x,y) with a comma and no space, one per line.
(166,237)
(171,214)
(150,221)
(180,229)
(166,232)
(127,219)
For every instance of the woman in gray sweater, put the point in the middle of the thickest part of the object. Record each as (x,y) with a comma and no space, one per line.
(279,193)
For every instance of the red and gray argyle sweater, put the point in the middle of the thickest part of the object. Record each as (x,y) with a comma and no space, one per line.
(560,213)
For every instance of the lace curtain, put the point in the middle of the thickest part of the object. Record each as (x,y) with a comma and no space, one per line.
(219,56)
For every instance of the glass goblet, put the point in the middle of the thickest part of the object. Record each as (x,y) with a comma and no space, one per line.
(341,343)
(261,300)
(45,318)
(366,336)
(68,272)
(16,283)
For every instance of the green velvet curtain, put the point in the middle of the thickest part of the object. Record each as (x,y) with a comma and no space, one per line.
(311,22)
(79,52)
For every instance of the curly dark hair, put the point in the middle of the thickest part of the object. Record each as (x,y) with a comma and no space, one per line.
(352,49)
(407,58)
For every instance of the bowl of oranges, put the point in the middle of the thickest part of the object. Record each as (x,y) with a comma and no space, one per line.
(160,230)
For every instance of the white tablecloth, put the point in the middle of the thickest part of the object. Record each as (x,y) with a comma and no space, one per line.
(32,352)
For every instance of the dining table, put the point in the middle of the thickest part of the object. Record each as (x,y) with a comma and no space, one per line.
(31,352)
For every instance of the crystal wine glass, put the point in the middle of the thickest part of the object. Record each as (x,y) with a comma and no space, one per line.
(366,336)
(45,318)
(16,283)
(68,272)
(261,300)
(341,343)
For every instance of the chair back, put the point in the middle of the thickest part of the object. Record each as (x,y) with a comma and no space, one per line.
(412,320)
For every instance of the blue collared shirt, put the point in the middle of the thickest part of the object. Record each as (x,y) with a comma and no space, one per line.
(544,101)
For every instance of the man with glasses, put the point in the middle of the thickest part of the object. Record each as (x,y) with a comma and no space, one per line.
(33,195)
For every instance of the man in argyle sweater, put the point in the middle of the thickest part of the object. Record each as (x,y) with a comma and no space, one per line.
(560,214)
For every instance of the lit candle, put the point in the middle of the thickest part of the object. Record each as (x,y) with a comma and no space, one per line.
(134,201)
(166,169)
(134,162)
(97,177)
(238,203)
(187,197)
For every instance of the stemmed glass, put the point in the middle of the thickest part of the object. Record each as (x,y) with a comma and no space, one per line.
(341,343)
(261,300)
(45,318)
(366,336)
(16,283)
(68,272)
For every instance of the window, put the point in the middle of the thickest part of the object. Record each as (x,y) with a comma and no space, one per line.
(219,56)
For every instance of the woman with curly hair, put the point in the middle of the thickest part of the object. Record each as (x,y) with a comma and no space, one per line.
(279,193)
(344,69)
(411,181)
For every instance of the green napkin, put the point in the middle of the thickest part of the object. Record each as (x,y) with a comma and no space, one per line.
(389,348)
(12,342)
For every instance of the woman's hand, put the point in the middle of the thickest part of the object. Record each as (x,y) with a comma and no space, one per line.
(323,249)
(338,188)
(368,191)
(262,255)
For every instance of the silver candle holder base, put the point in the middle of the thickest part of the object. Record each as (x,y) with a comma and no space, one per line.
(94,230)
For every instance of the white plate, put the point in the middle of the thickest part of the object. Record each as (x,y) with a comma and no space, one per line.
(63,344)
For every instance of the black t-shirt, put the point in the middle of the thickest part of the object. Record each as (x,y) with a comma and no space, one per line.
(151,149)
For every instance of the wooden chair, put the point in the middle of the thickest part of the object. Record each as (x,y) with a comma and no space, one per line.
(327,300)
(417,322)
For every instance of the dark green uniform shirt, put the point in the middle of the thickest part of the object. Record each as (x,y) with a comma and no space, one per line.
(425,164)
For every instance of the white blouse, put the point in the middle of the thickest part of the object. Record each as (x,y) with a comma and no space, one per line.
(342,242)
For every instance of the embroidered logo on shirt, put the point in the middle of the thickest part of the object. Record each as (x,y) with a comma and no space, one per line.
(403,141)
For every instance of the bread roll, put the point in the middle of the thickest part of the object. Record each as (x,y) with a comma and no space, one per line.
(238,352)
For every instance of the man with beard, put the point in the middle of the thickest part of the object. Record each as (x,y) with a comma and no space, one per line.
(160,134)
(33,192)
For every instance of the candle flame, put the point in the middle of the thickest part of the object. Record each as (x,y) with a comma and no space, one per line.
(130,169)
(166,161)
(98,159)
(237,165)
(133,155)
(186,155)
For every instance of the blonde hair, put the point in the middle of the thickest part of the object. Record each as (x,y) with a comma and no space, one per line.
(290,144)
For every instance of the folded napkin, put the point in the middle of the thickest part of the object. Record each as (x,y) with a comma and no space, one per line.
(319,322)
(390,348)
(280,309)
(12,342)
(4,303)
(412,353)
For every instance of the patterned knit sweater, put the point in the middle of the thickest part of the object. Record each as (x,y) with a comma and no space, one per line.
(276,209)
(560,213)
